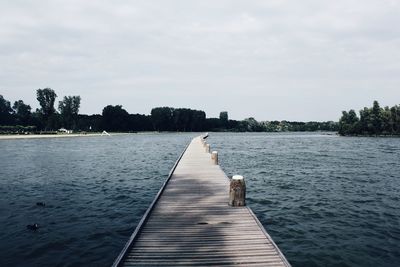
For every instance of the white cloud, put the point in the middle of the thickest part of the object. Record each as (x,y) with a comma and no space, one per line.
(267,59)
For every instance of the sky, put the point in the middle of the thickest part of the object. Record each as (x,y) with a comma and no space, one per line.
(271,60)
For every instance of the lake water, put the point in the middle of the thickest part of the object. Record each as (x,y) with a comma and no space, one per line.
(325,200)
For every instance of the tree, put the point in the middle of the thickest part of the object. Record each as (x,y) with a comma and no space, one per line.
(162,118)
(253,125)
(349,123)
(69,109)
(271,126)
(6,112)
(46,98)
(373,121)
(139,122)
(115,118)
(182,119)
(90,123)
(387,121)
(365,121)
(233,125)
(395,114)
(198,120)
(223,116)
(376,118)
(213,124)
(22,112)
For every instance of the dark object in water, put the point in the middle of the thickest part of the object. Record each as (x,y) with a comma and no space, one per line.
(32,227)
(42,204)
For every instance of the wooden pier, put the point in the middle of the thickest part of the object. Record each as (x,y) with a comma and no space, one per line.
(190,222)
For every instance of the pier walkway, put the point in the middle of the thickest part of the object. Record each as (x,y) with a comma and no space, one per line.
(191,224)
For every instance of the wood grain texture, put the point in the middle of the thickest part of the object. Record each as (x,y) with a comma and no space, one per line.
(191,223)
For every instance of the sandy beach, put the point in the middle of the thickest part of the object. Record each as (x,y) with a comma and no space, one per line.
(35,136)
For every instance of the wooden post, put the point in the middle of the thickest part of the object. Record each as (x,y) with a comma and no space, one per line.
(237,191)
(214,157)
(208,148)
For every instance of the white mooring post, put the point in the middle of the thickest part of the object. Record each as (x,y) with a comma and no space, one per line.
(214,157)
(208,148)
(237,191)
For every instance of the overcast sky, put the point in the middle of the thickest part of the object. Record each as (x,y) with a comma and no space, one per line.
(275,59)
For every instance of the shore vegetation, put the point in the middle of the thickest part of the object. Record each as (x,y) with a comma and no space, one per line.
(372,121)
(19,118)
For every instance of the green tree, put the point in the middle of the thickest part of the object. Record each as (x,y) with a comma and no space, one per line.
(163,118)
(69,109)
(395,115)
(271,126)
(387,121)
(223,117)
(365,121)
(47,98)
(198,120)
(22,112)
(182,118)
(213,124)
(90,123)
(376,118)
(373,121)
(6,112)
(253,125)
(115,119)
(139,122)
(349,123)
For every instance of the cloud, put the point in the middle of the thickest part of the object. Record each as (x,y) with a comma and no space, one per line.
(217,55)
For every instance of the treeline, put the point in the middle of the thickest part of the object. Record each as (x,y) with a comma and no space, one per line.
(371,121)
(19,118)
(117,119)
(252,125)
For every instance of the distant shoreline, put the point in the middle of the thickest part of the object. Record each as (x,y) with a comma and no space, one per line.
(42,136)
(39,136)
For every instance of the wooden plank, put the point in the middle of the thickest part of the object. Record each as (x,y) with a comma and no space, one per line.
(197,243)
(201,250)
(180,262)
(204,222)
(191,224)
(252,264)
(167,253)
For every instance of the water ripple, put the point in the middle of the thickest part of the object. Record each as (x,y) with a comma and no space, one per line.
(96,190)
(326,200)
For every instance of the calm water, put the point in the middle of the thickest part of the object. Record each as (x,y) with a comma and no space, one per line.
(326,200)
(95,189)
